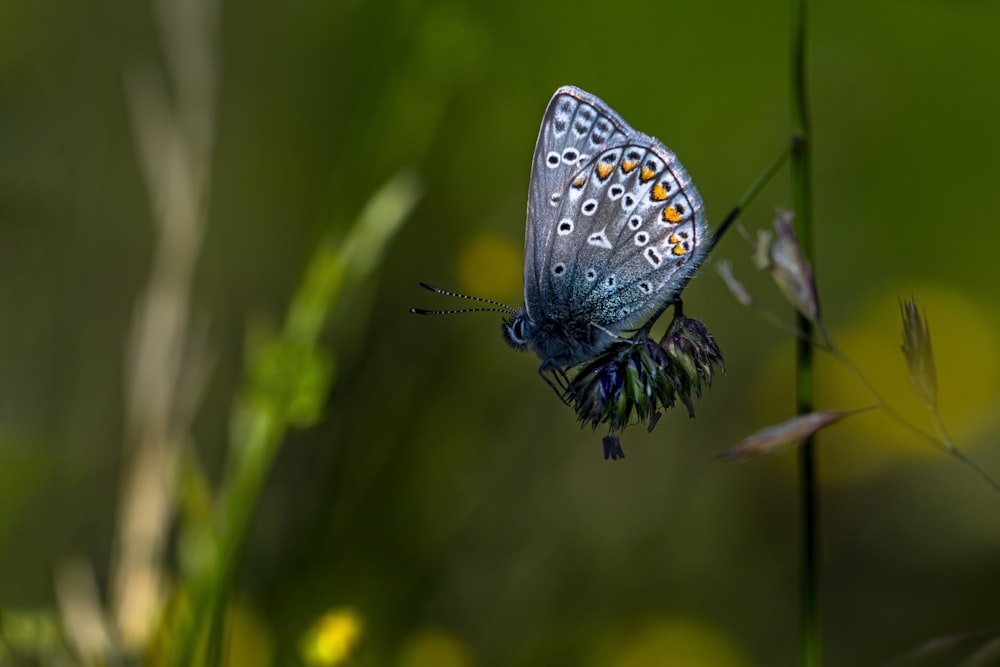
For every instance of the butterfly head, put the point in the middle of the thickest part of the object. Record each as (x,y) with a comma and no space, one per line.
(560,341)
(515,332)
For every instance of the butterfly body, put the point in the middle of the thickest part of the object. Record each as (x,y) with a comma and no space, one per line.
(615,229)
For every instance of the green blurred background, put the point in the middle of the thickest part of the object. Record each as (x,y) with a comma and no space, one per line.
(446,499)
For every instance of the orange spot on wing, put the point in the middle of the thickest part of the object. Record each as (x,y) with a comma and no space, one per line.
(673,239)
(659,193)
(646,174)
(670,214)
(678,250)
(628,165)
(604,170)
(578,183)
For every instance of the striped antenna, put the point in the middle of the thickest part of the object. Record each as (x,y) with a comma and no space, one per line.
(500,307)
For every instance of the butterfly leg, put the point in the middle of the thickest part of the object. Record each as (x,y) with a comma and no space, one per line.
(561,385)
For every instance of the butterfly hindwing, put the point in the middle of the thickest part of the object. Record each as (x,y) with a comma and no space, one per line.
(628,234)
(660,237)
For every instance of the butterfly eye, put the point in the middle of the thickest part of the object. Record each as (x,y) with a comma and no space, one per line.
(513,333)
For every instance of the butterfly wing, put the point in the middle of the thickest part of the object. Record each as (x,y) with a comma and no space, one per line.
(629,233)
(575,128)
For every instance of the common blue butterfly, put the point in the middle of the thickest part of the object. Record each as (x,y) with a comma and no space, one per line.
(615,229)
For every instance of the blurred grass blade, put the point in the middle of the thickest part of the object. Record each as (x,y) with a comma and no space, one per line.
(773,438)
(736,288)
(82,618)
(379,220)
(286,383)
(919,354)
(938,649)
(988,654)
(352,258)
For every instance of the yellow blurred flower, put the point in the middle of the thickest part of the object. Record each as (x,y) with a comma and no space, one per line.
(332,638)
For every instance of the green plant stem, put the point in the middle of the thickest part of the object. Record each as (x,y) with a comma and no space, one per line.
(802,193)
(748,196)
(262,415)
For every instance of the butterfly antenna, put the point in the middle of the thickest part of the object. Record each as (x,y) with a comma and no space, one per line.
(423,311)
(500,307)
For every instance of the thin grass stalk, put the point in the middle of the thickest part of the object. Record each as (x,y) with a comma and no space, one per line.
(752,192)
(802,195)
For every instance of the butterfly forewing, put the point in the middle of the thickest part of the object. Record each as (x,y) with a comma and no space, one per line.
(576,127)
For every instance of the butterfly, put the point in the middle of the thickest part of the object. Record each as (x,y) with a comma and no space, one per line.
(615,230)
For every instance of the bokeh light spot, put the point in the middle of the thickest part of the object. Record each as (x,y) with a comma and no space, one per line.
(332,638)
(968,371)
(490,266)
(249,641)
(435,648)
(669,641)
